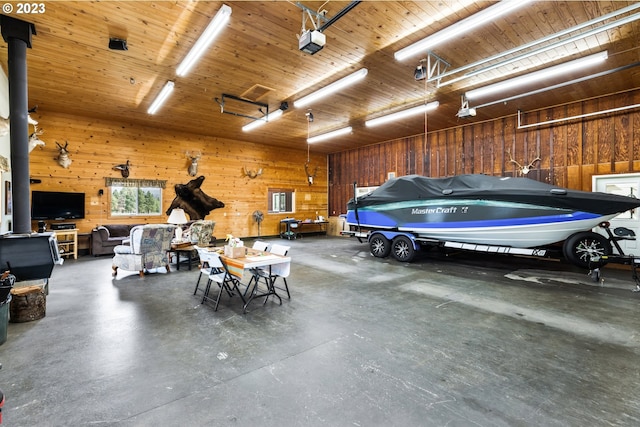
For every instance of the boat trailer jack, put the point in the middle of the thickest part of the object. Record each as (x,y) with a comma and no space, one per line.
(598,261)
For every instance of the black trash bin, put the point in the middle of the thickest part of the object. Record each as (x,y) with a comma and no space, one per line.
(6,284)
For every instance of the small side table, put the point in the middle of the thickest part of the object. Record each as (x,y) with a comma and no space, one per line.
(188,252)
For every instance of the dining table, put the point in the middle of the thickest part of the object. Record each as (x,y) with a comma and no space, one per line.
(252,259)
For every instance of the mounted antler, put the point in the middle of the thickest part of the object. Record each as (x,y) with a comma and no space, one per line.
(193,166)
(63,155)
(523,169)
(252,174)
(310,176)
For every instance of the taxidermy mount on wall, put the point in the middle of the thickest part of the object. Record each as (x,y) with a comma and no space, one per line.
(193,157)
(252,174)
(123,168)
(63,155)
(34,138)
(194,202)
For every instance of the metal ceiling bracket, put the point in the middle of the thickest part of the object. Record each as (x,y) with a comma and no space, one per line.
(321,22)
(436,67)
(319,17)
(260,105)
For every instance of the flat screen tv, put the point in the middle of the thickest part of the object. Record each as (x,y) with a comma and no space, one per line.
(57,205)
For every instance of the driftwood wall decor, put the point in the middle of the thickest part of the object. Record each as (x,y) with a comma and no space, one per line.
(193,200)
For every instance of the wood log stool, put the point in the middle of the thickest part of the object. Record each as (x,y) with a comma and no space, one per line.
(27,303)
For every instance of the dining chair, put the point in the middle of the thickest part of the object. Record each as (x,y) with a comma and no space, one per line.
(280,270)
(214,269)
(260,245)
(258,273)
(203,254)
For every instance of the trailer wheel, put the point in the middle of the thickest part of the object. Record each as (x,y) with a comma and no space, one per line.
(402,249)
(379,246)
(580,247)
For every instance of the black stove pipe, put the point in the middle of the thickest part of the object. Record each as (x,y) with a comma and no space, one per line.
(17,34)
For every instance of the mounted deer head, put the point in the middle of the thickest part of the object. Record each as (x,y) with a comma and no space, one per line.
(63,155)
(5,122)
(123,168)
(193,166)
(310,176)
(252,174)
(523,169)
(34,139)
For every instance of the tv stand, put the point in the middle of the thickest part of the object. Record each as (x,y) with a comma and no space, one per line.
(67,242)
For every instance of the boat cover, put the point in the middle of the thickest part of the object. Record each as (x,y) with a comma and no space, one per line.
(485,187)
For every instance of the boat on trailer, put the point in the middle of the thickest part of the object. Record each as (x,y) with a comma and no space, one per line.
(481,212)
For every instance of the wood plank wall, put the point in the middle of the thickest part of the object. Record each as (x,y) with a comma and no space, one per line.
(570,152)
(95,146)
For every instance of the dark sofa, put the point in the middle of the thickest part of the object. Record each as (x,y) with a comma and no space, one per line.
(105,237)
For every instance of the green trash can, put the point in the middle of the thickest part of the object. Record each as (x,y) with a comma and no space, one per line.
(4,319)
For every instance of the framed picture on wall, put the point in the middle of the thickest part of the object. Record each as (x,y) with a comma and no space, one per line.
(8,200)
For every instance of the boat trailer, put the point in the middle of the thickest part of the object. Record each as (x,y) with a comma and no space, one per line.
(586,249)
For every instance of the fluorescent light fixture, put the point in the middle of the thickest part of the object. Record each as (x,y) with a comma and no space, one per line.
(537,75)
(205,40)
(257,123)
(402,114)
(162,96)
(456,30)
(329,135)
(331,88)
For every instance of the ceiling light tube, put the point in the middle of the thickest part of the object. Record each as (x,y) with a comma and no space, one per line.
(559,85)
(329,135)
(205,40)
(162,96)
(552,46)
(537,75)
(402,114)
(257,123)
(331,88)
(551,37)
(456,30)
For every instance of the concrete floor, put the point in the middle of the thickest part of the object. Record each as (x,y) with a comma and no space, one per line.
(464,340)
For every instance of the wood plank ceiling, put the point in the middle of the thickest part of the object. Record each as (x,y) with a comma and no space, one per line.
(71,69)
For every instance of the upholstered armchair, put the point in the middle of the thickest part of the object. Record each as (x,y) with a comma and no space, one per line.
(201,231)
(147,249)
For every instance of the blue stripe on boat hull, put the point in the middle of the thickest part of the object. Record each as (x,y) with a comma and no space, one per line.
(478,221)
